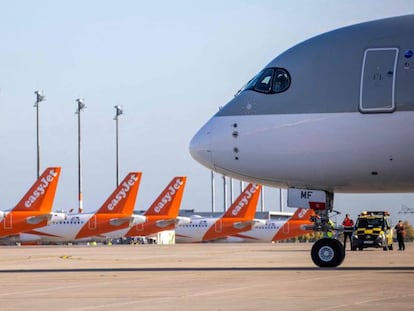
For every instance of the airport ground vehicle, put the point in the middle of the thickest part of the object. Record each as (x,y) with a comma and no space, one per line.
(372,229)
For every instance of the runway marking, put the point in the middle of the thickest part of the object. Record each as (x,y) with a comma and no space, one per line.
(182,269)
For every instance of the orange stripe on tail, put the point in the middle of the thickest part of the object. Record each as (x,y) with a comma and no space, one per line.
(293,227)
(122,200)
(169,201)
(240,207)
(238,217)
(118,207)
(161,215)
(41,195)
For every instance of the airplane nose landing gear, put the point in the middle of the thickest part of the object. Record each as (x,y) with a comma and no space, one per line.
(327,253)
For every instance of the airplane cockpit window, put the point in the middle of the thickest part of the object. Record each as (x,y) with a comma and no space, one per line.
(264,83)
(249,85)
(281,81)
(270,81)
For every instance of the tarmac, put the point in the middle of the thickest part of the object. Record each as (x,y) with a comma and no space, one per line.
(209,276)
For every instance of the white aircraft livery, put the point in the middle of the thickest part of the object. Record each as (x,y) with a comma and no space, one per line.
(334,113)
(114,214)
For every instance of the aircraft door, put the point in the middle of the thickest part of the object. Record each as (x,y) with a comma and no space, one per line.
(286,228)
(8,221)
(92,222)
(139,227)
(378,80)
(218,226)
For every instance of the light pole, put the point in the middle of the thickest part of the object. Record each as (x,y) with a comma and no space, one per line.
(224,193)
(280,200)
(81,106)
(39,98)
(231,190)
(118,112)
(213,193)
(262,199)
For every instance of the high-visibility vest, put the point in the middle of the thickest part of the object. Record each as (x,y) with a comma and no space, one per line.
(348,225)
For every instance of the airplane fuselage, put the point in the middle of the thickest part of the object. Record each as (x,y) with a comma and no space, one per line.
(75,228)
(260,233)
(15,222)
(209,229)
(335,113)
(154,224)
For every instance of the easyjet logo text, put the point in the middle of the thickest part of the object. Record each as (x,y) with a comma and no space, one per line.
(302,213)
(245,199)
(171,191)
(41,189)
(123,192)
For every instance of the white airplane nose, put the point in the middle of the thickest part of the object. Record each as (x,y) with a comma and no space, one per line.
(200,147)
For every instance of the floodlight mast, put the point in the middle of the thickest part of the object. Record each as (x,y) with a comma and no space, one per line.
(213,193)
(118,111)
(81,106)
(39,98)
(224,193)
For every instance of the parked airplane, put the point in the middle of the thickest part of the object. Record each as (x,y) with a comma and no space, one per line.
(276,230)
(161,215)
(238,218)
(114,214)
(34,209)
(333,114)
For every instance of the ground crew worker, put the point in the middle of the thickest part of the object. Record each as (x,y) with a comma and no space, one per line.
(400,235)
(331,230)
(348,224)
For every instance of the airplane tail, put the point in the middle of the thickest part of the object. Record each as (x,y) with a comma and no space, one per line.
(169,201)
(302,214)
(122,200)
(294,226)
(41,195)
(245,205)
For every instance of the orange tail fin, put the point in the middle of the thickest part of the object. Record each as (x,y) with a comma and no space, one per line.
(293,227)
(122,200)
(245,205)
(41,195)
(169,201)
(302,214)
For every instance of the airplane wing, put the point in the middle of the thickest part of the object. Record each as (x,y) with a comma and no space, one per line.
(253,222)
(50,217)
(179,220)
(34,220)
(259,222)
(243,224)
(165,222)
(56,216)
(132,220)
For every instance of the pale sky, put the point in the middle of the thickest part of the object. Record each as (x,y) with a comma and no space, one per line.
(170,64)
